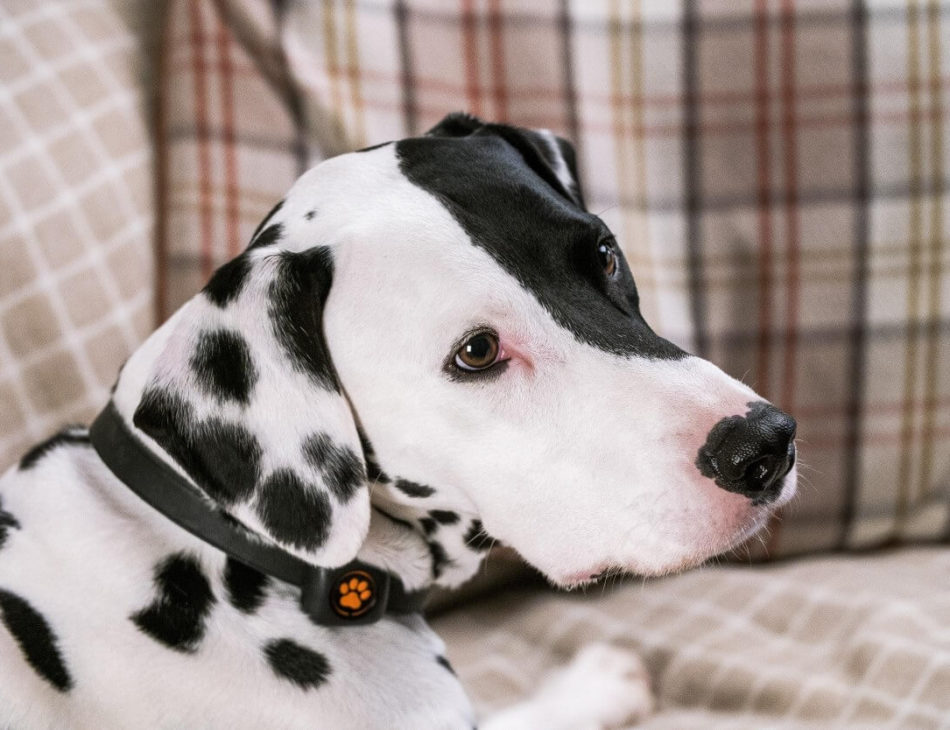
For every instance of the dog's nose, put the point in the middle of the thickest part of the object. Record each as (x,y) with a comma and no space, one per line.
(750,454)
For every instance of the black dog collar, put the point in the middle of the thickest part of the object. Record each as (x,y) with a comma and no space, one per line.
(354,594)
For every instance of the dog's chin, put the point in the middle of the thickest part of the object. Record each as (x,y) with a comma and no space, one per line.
(608,570)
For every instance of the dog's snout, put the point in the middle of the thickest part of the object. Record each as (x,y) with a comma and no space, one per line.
(750,454)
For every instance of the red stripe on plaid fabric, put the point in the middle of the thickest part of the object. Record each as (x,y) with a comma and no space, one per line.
(856,373)
(225,76)
(935,245)
(199,71)
(639,152)
(497,36)
(915,240)
(332,58)
(161,169)
(473,89)
(358,138)
(763,196)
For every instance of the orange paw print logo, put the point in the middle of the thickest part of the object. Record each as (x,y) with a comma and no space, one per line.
(356,594)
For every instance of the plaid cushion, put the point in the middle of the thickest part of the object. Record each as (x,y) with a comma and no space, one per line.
(75,201)
(775,176)
(809,643)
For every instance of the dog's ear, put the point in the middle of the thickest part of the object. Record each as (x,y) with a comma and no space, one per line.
(242,394)
(551,157)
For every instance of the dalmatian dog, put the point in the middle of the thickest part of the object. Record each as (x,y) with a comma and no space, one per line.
(428,345)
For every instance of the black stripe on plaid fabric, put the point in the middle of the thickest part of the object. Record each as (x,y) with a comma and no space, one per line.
(935,87)
(691,179)
(410,111)
(856,362)
(565,29)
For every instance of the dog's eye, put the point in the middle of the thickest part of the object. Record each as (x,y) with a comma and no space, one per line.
(608,258)
(478,353)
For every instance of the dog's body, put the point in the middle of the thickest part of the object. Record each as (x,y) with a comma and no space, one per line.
(573,437)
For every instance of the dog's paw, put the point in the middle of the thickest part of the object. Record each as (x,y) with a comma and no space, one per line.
(602,687)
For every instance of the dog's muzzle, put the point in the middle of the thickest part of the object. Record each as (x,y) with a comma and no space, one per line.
(751,454)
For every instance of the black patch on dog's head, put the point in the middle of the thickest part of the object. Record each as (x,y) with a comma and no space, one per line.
(223,458)
(68,437)
(456,124)
(507,199)
(297,295)
(539,151)
(7,522)
(310,215)
(223,365)
(227,282)
(177,615)
(342,470)
(260,226)
(268,236)
(443,662)
(36,640)
(444,516)
(476,537)
(294,512)
(246,586)
(306,668)
(411,489)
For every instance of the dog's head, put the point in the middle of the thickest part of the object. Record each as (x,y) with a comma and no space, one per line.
(449,300)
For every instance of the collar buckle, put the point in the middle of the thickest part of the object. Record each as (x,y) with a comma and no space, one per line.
(354,594)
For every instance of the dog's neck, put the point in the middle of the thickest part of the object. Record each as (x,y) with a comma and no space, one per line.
(423,541)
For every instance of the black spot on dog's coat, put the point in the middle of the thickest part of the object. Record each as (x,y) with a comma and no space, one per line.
(310,215)
(7,522)
(228,281)
(223,365)
(68,437)
(297,294)
(268,236)
(440,558)
(306,668)
(36,640)
(177,615)
(293,511)
(223,458)
(476,537)
(428,525)
(373,471)
(445,663)
(341,468)
(412,489)
(246,587)
(444,516)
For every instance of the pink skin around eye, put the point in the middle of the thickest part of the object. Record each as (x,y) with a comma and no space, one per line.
(511,351)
